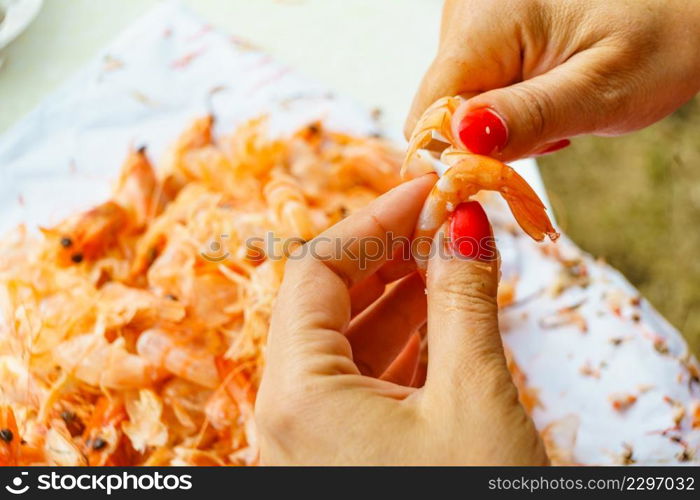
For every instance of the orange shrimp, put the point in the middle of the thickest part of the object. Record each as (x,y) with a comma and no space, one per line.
(371,162)
(135,188)
(197,135)
(91,359)
(436,119)
(188,362)
(60,449)
(104,440)
(239,388)
(469,173)
(9,437)
(238,384)
(289,208)
(89,235)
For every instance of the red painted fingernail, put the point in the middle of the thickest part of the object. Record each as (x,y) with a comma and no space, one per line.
(555,147)
(483,131)
(470,232)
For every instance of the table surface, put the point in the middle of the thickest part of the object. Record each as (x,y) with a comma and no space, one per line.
(374,51)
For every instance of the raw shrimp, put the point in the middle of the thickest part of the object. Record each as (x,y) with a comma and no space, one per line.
(467,174)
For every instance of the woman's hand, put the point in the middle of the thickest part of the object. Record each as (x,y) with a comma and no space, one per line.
(342,354)
(553,69)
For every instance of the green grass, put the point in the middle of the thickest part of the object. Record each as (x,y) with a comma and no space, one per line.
(635,201)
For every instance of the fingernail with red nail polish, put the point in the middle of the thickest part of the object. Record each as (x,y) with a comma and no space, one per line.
(470,232)
(555,147)
(483,131)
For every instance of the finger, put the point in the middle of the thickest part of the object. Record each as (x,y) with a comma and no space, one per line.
(442,79)
(464,344)
(421,371)
(486,58)
(583,95)
(371,288)
(365,293)
(358,246)
(312,309)
(403,369)
(379,334)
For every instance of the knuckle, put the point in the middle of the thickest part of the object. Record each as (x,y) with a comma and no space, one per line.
(535,107)
(470,287)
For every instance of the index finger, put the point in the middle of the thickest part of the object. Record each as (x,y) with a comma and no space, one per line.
(312,310)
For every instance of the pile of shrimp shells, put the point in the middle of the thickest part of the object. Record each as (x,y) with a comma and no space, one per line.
(133,333)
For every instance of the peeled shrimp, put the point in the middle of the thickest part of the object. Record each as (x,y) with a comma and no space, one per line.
(289,208)
(469,173)
(188,362)
(91,359)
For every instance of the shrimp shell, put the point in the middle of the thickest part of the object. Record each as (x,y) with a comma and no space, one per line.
(436,118)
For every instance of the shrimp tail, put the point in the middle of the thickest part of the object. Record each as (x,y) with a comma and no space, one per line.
(530,217)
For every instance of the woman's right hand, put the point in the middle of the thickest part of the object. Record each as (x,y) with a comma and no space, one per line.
(553,69)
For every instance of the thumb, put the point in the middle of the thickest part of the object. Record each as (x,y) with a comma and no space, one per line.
(538,115)
(464,344)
